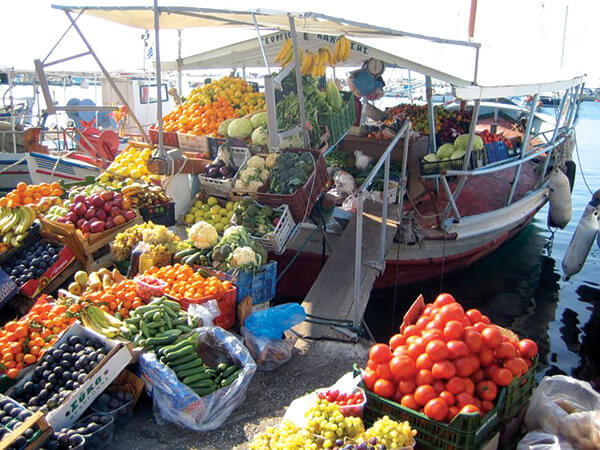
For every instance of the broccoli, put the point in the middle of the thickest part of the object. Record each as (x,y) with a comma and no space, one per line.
(267,211)
(251,210)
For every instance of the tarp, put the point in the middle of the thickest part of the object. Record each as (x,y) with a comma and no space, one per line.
(248,54)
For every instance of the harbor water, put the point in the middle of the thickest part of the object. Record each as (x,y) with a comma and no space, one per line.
(520,286)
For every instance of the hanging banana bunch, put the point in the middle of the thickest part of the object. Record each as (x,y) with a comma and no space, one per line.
(342,49)
(286,53)
(307,63)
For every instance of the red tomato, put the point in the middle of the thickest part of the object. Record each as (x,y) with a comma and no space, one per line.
(396,341)
(480,326)
(430,335)
(469,409)
(422,322)
(450,312)
(424,376)
(505,351)
(447,397)
(408,401)
(437,350)
(439,386)
(401,350)
(491,336)
(380,353)
(435,324)
(474,315)
(463,399)
(453,330)
(478,376)
(486,319)
(455,385)
(486,406)
(369,377)
(474,362)
(436,409)
(415,350)
(411,330)
(464,366)
(402,367)
(528,348)
(473,340)
(423,394)
(407,386)
(424,362)
(398,395)
(502,377)
(384,388)
(486,357)
(384,371)
(490,371)
(411,339)
(517,366)
(469,385)
(443,299)
(452,413)
(456,349)
(487,390)
(477,402)
(443,369)
(427,310)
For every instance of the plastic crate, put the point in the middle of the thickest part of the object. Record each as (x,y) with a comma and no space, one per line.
(159,214)
(495,152)
(101,438)
(430,168)
(260,285)
(226,301)
(518,392)
(302,201)
(219,187)
(340,122)
(468,432)
(170,138)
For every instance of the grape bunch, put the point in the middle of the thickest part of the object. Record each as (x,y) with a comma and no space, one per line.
(387,433)
(285,436)
(326,420)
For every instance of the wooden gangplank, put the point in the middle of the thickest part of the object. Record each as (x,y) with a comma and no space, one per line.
(332,294)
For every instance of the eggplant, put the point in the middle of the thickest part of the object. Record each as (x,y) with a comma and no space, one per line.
(220,163)
(213,172)
(225,172)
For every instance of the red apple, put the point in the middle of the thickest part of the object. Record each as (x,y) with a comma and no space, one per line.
(129,215)
(90,213)
(79,198)
(115,211)
(109,223)
(72,217)
(118,220)
(118,202)
(80,223)
(100,214)
(85,226)
(107,206)
(96,226)
(107,196)
(79,209)
(97,201)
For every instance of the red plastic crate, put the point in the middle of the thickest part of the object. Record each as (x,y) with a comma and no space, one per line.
(169,138)
(227,305)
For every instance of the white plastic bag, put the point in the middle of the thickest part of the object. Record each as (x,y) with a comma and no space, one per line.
(536,440)
(204,313)
(344,182)
(174,402)
(269,354)
(361,161)
(568,408)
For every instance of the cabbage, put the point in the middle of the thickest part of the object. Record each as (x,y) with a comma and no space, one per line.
(430,157)
(457,154)
(259,136)
(239,128)
(223,127)
(259,120)
(445,151)
(461,142)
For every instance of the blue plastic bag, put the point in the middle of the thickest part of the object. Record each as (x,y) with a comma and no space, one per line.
(272,322)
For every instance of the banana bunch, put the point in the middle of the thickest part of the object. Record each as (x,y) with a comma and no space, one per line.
(15,223)
(100,321)
(342,49)
(286,54)
(140,195)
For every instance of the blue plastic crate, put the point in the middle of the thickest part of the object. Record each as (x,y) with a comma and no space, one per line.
(496,151)
(260,285)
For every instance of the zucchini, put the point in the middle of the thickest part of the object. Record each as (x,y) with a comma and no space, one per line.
(170,333)
(229,370)
(144,329)
(180,321)
(157,316)
(155,325)
(161,340)
(183,359)
(194,371)
(168,320)
(196,377)
(222,366)
(174,306)
(141,310)
(184,328)
(188,349)
(133,320)
(190,340)
(126,332)
(186,252)
(204,391)
(231,378)
(194,364)
(202,384)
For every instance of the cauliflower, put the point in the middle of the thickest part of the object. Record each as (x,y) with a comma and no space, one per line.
(264,175)
(255,185)
(271,160)
(243,256)
(239,184)
(233,230)
(248,174)
(256,162)
(203,235)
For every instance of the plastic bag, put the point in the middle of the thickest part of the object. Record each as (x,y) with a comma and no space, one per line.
(205,313)
(337,195)
(361,161)
(269,354)
(174,402)
(350,204)
(536,440)
(272,322)
(568,408)
(344,182)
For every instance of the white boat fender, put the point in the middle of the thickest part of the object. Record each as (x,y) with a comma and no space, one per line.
(570,169)
(559,214)
(582,240)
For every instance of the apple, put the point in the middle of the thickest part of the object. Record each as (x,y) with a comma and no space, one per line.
(79,198)
(118,202)
(126,204)
(107,196)
(71,217)
(97,201)
(115,211)
(109,223)
(79,209)
(85,226)
(90,213)
(80,223)
(129,215)
(107,206)
(100,214)
(118,220)
(96,226)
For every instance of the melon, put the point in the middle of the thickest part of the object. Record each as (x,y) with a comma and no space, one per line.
(430,158)
(461,142)
(457,154)
(445,151)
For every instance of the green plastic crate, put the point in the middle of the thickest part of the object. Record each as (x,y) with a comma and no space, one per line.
(518,392)
(340,122)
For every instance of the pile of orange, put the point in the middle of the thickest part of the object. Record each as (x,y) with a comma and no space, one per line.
(119,299)
(184,282)
(23,341)
(192,118)
(37,195)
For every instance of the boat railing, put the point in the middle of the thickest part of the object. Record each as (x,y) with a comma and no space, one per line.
(384,160)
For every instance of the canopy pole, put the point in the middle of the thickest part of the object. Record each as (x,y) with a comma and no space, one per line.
(179,62)
(161,149)
(431,114)
(262,46)
(299,82)
(108,77)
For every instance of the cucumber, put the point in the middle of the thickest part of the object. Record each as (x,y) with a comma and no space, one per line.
(170,333)
(184,328)
(231,378)
(190,259)
(229,370)
(126,332)
(161,340)
(140,311)
(188,349)
(133,320)
(196,377)
(144,329)
(186,252)
(201,384)
(183,359)
(190,340)
(168,320)
(157,316)
(155,325)
(194,364)
(174,306)
(204,391)
(180,321)
(194,371)
(222,366)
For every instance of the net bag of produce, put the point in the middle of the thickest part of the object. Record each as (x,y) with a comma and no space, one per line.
(269,354)
(566,407)
(175,402)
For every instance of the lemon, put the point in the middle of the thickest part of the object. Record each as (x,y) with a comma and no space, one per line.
(212,201)
(135,173)
(219,227)
(208,216)
(224,221)
(205,208)
(229,206)
(189,219)
(215,209)
(198,216)
(198,203)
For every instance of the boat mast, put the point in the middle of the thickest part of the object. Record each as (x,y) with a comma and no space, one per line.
(562,53)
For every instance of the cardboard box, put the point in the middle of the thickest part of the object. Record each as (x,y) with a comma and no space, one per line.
(119,357)
(35,287)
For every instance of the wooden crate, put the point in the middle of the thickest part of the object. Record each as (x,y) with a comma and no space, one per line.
(35,419)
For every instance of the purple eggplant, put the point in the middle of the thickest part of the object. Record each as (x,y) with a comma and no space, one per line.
(225,172)
(213,172)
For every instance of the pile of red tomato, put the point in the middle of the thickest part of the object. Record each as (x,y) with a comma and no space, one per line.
(448,362)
